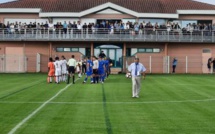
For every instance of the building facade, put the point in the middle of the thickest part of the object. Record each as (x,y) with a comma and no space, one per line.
(153,30)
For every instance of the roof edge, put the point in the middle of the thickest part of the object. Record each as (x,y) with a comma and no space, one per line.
(20,10)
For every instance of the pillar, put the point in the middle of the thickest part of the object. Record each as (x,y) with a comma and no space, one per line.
(50,49)
(91,49)
(166,49)
(124,49)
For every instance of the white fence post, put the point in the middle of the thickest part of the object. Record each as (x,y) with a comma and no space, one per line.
(150,64)
(168,64)
(38,63)
(186,64)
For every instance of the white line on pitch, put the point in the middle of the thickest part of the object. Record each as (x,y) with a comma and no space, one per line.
(144,102)
(12,131)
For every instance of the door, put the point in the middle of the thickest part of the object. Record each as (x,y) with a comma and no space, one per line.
(14,59)
(205,56)
(38,63)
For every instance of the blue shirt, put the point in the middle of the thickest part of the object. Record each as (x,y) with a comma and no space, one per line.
(106,63)
(139,68)
(101,64)
(64,25)
(90,65)
(175,62)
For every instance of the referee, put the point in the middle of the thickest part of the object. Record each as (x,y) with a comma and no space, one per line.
(137,72)
(72,64)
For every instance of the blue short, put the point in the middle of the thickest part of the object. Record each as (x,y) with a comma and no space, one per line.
(89,73)
(101,72)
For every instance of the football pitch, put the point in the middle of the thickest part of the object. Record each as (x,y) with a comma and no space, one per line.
(168,104)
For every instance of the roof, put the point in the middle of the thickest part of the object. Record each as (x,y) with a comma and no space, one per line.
(141,6)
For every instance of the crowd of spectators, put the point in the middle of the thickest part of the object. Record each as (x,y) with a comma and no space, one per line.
(105,27)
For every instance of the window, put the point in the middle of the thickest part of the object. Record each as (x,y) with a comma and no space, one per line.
(149,50)
(206,50)
(66,49)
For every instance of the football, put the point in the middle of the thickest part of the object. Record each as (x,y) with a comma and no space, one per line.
(128,75)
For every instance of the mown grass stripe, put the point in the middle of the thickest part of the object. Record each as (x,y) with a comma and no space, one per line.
(18,91)
(107,118)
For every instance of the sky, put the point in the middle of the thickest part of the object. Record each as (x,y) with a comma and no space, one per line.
(205,1)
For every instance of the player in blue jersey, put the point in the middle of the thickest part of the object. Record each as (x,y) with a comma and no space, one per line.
(101,69)
(89,70)
(106,67)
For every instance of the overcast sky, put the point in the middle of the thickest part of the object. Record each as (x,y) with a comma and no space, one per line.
(206,1)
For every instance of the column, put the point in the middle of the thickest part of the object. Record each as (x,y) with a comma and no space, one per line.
(91,49)
(124,49)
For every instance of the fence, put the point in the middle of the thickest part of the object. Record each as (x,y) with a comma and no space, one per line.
(101,34)
(23,63)
(153,64)
(163,64)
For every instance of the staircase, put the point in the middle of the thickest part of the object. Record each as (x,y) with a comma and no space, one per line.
(115,70)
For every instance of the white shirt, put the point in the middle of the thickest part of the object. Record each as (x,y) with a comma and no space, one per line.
(57,65)
(51,25)
(140,69)
(95,64)
(72,62)
(63,63)
(79,27)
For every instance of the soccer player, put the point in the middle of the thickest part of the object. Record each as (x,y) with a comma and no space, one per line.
(95,70)
(78,68)
(101,69)
(64,68)
(106,61)
(89,71)
(58,66)
(51,70)
(72,64)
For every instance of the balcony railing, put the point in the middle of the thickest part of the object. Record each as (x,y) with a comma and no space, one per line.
(145,35)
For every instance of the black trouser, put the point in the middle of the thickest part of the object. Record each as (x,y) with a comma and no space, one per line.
(84,68)
(95,76)
(173,68)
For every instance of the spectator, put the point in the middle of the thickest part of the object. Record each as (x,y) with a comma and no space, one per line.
(102,54)
(213,65)
(174,64)
(209,64)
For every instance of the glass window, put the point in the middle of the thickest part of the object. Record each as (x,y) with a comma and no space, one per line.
(149,50)
(66,49)
(156,50)
(142,50)
(153,21)
(206,50)
(59,49)
(74,49)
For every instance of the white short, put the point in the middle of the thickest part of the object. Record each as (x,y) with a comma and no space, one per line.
(58,72)
(64,71)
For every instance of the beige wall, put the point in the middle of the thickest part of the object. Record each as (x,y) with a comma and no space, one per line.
(178,50)
(109,16)
(197,17)
(19,16)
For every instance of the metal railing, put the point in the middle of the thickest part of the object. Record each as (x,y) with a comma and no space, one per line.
(100,34)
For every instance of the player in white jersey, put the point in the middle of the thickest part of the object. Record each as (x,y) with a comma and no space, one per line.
(64,68)
(58,66)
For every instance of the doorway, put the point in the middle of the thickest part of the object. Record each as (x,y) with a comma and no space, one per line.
(206,54)
(111,51)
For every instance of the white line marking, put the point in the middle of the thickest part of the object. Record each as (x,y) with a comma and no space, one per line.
(144,102)
(12,131)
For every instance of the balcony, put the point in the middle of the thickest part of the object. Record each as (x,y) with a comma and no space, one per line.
(128,35)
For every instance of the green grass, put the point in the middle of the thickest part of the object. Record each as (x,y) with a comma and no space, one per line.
(168,104)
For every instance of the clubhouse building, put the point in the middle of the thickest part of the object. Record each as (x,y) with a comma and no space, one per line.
(156,31)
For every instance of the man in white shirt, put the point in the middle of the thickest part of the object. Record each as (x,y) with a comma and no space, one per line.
(72,65)
(137,71)
(58,66)
(64,68)
(95,70)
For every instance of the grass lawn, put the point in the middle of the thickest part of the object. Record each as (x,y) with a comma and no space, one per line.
(168,104)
